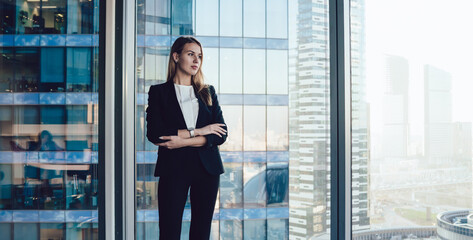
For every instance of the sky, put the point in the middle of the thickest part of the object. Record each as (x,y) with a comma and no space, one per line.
(423,32)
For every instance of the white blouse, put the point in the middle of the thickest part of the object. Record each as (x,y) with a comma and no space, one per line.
(189,104)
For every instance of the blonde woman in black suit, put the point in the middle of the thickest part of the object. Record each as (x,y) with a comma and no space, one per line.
(185,120)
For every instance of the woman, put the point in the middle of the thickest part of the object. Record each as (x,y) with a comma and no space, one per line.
(185,120)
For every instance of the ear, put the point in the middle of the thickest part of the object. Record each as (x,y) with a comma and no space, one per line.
(175,56)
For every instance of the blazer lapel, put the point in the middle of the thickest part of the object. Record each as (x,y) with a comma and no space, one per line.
(203,110)
(174,104)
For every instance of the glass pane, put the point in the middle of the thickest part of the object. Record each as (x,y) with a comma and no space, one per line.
(48,119)
(234,121)
(254,18)
(277,62)
(253,229)
(231,70)
(277,128)
(254,72)
(52,70)
(277,11)
(411,121)
(182,16)
(231,18)
(41,17)
(206,18)
(210,67)
(254,128)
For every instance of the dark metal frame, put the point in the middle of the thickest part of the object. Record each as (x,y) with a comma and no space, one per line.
(340,120)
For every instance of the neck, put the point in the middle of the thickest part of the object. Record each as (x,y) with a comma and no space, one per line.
(182,79)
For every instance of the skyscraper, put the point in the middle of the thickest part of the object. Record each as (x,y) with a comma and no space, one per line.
(437,115)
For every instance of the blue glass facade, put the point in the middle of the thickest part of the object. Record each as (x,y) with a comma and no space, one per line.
(246,60)
(48,119)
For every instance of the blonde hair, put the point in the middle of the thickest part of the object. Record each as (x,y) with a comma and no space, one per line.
(197,80)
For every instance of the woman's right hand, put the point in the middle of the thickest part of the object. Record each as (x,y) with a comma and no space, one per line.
(216,128)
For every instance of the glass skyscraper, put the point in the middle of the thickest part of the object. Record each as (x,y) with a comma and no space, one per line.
(48,119)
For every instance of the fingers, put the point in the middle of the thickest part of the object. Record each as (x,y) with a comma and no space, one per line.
(165,137)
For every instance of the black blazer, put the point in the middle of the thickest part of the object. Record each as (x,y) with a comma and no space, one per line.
(164,117)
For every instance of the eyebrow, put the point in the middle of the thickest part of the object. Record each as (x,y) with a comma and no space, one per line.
(193,52)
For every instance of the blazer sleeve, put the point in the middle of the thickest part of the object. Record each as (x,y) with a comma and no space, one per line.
(217,117)
(154,118)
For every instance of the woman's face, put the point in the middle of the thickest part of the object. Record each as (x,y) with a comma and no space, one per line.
(190,59)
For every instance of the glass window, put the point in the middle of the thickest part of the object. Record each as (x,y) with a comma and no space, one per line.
(157,17)
(78,114)
(254,128)
(277,70)
(254,18)
(53,115)
(7,17)
(253,229)
(7,66)
(254,72)
(210,66)
(182,17)
(277,184)
(26,69)
(230,229)
(231,70)
(206,17)
(85,231)
(278,229)
(405,151)
(52,70)
(41,17)
(234,120)
(156,65)
(26,114)
(277,18)
(231,186)
(81,17)
(277,128)
(254,188)
(231,18)
(25,231)
(79,69)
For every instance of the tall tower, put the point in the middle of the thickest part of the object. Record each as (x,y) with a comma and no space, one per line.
(309,160)
(437,116)
(360,119)
(395,115)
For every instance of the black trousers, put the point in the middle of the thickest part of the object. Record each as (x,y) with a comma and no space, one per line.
(172,196)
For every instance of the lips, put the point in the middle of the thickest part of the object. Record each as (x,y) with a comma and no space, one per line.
(195,67)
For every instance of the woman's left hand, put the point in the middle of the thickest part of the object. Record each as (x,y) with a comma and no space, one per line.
(172,143)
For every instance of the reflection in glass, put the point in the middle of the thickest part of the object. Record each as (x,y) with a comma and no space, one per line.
(277,128)
(253,229)
(231,18)
(51,231)
(23,231)
(231,70)
(254,188)
(79,69)
(277,71)
(52,70)
(82,17)
(230,229)
(278,229)
(157,17)
(254,18)
(254,72)
(234,121)
(277,184)
(231,189)
(254,128)
(21,69)
(41,17)
(181,17)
